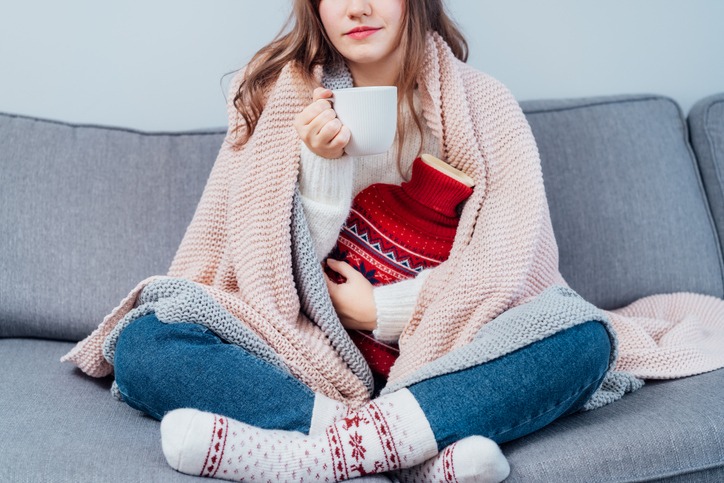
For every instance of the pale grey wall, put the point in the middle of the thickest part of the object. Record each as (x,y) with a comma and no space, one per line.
(157,64)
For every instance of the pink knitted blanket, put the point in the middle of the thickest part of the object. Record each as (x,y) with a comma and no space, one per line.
(238,245)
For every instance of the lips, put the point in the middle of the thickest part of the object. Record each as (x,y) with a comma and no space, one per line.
(362,32)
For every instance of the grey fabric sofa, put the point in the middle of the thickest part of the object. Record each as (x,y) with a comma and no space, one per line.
(637,202)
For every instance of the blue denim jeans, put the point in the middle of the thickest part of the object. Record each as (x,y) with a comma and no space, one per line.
(160,367)
(518,393)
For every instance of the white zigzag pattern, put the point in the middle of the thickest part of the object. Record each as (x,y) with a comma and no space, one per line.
(391,255)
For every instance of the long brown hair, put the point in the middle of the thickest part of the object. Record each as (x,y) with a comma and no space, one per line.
(307,44)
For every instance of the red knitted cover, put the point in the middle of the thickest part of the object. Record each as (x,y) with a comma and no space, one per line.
(394,232)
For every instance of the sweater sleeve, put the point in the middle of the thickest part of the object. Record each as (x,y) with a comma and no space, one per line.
(395,303)
(326,188)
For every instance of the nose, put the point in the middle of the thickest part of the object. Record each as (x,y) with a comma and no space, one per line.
(359,8)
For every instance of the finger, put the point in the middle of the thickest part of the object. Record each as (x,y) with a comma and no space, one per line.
(330,283)
(318,123)
(343,268)
(329,262)
(341,139)
(329,131)
(313,110)
(334,293)
(321,93)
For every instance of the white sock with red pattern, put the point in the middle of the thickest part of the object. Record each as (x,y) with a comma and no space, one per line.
(474,459)
(325,413)
(471,460)
(386,434)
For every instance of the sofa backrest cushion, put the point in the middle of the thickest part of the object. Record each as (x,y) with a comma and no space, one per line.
(627,204)
(706,124)
(86,212)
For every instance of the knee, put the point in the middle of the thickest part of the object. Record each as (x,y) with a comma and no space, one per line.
(592,363)
(147,356)
(596,346)
(578,356)
(587,361)
(134,344)
(147,342)
(131,338)
(137,341)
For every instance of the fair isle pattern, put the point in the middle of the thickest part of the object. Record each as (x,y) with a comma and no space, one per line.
(237,246)
(219,435)
(385,435)
(393,233)
(432,470)
(448,466)
(380,356)
(398,231)
(348,449)
(395,262)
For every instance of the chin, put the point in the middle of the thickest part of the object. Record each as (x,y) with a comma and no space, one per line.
(360,57)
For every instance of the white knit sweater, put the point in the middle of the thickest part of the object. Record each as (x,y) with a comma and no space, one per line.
(328,186)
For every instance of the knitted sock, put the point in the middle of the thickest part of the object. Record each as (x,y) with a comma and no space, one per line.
(388,433)
(474,459)
(325,413)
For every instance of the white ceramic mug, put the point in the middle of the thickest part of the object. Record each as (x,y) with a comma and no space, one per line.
(370,113)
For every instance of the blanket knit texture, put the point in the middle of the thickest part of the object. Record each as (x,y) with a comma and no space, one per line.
(239,250)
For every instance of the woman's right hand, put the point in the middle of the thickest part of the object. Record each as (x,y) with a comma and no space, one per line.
(319,127)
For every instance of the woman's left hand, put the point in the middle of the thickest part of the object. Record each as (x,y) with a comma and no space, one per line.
(354,299)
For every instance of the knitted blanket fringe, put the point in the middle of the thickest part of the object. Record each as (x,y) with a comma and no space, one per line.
(241,251)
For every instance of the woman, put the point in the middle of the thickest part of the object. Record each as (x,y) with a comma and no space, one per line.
(242,328)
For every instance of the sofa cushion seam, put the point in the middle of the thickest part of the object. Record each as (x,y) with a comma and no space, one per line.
(602,103)
(678,472)
(710,145)
(717,173)
(114,128)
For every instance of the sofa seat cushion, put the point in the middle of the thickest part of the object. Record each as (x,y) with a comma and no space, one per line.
(87,212)
(627,204)
(706,125)
(60,425)
(667,430)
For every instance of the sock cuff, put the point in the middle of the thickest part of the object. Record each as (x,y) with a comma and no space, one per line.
(326,411)
(409,418)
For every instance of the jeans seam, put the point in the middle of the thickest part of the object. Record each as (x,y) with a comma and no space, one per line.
(556,405)
(140,406)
